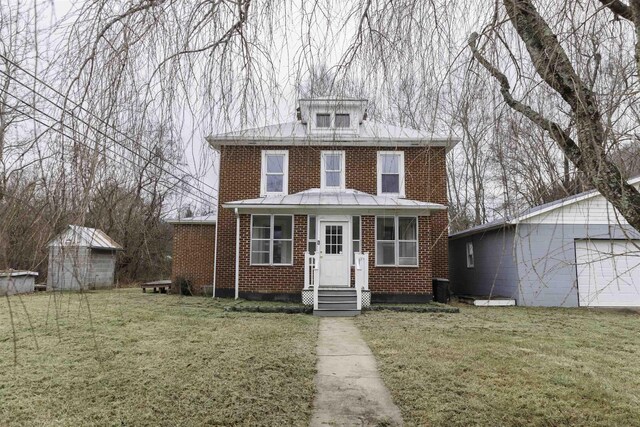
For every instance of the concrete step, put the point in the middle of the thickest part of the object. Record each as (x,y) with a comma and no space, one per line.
(337,305)
(338,298)
(335,313)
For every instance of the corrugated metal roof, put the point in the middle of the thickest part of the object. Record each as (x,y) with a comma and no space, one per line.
(204,219)
(93,238)
(17,273)
(334,199)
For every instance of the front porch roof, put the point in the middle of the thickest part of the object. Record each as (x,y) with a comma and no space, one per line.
(334,200)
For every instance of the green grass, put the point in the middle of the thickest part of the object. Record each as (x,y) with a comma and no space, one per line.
(126,358)
(510,366)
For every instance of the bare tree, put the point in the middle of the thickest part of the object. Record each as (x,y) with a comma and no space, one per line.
(587,146)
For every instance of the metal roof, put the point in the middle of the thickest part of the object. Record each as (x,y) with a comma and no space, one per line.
(334,199)
(17,273)
(93,238)
(204,219)
(535,211)
(369,133)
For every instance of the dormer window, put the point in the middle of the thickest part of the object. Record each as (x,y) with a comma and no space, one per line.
(343,121)
(323,120)
(332,173)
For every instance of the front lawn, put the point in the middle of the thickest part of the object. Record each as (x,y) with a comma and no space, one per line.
(510,366)
(127,358)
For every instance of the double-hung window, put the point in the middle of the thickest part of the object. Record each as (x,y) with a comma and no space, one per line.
(271,239)
(391,173)
(332,173)
(275,172)
(397,241)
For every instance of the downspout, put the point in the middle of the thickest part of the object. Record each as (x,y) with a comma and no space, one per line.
(237,250)
(215,259)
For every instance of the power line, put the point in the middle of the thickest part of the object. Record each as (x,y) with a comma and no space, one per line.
(50,126)
(63,109)
(76,104)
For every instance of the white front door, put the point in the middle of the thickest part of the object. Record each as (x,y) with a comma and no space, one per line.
(334,253)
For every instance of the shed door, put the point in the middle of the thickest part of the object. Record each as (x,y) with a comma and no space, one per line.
(608,273)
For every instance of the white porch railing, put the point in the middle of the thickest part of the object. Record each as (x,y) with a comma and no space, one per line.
(362,275)
(312,275)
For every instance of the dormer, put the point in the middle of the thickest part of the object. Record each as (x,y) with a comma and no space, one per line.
(332,115)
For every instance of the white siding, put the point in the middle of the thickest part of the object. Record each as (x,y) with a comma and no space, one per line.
(594,210)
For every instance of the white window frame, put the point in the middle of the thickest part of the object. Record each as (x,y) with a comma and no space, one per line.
(401,192)
(263,173)
(397,241)
(323,177)
(271,239)
(470,255)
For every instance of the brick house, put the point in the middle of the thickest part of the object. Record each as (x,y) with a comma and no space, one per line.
(193,251)
(332,209)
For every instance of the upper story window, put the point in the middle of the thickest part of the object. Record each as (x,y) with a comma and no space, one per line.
(391,173)
(275,172)
(323,120)
(332,173)
(343,121)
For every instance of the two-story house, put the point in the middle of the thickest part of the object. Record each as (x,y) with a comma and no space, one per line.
(330,208)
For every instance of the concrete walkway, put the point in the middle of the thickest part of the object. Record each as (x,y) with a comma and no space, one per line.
(349,390)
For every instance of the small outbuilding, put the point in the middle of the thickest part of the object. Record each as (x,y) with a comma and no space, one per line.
(574,252)
(193,257)
(82,258)
(17,282)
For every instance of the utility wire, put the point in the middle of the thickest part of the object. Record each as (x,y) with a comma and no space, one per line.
(52,126)
(63,109)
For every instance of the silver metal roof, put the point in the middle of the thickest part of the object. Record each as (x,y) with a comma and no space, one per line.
(334,199)
(17,273)
(369,133)
(204,219)
(93,238)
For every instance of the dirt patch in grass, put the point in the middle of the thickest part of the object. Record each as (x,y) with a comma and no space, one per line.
(127,358)
(510,366)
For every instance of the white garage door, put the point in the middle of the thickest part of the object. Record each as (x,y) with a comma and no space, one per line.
(608,273)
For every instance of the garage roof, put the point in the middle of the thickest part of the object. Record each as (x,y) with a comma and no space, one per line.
(534,211)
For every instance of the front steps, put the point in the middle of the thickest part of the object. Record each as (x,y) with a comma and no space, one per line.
(337,302)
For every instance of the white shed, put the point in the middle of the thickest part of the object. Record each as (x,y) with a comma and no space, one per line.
(17,282)
(82,258)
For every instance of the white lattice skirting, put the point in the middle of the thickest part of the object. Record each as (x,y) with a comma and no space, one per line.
(307,297)
(366,299)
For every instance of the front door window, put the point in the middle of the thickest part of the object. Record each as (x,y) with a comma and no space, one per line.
(333,239)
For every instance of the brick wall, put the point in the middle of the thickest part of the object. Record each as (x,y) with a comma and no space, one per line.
(193,254)
(425,180)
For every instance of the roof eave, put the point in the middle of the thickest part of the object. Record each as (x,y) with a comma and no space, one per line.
(246,207)
(216,142)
